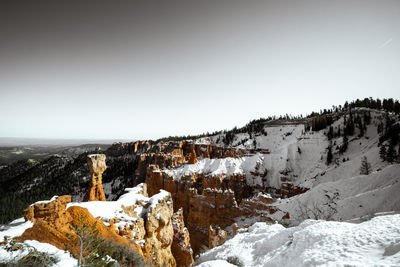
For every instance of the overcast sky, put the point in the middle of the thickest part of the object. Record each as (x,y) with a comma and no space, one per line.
(147,69)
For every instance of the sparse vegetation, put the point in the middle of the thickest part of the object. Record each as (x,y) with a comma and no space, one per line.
(33,258)
(235,261)
(92,250)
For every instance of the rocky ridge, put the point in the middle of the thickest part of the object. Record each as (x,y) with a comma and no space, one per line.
(145,224)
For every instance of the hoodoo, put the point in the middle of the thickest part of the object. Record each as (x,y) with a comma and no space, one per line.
(97,165)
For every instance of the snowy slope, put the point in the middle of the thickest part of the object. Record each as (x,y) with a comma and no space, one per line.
(303,154)
(312,243)
(337,191)
(347,198)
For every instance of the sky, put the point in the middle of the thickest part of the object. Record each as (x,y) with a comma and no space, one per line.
(148,69)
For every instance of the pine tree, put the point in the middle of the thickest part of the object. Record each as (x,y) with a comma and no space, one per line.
(329,156)
(338,132)
(361,127)
(83,242)
(380,127)
(390,153)
(330,133)
(367,118)
(344,145)
(382,152)
(365,168)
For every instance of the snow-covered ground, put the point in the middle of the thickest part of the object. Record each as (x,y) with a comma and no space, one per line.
(223,166)
(16,228)
(337,191)
(347,198)
(312,243)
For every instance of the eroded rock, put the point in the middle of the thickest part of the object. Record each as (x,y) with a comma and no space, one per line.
(97,165)
(181,248)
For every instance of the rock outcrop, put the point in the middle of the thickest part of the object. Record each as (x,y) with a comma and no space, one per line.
(52,223)
(208,200)
(181,248)
(97,165)
(216,237)
(205,198)
(144,224)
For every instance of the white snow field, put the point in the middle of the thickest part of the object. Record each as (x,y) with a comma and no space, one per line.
(312,243)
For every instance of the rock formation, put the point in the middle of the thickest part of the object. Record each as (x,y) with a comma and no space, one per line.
(216,237)
(181,248)
(205,199)
(146,226)
(97,165)
(52,222)
(199,199)
(193,158)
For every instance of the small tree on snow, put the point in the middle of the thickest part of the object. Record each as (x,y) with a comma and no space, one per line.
(365,168)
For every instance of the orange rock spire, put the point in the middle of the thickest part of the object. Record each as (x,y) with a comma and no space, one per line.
(97,165)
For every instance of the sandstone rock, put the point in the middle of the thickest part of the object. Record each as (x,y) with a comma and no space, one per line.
(159,232)
(145,226)
(181,248)
(216,237)
(210,200)
(52,212)
(193,158)
(97,165)
(235,229)
(52,222)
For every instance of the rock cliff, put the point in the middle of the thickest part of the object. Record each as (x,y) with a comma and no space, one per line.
(206,198)
(135,220)
(181,248)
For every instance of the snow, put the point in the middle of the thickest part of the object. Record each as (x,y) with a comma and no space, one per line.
(219,263)
(45,201)
(154,200)
(64,258)
(347,198)
(222,167)
(203,141)
(15,228)
(313,243)
(107,210)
